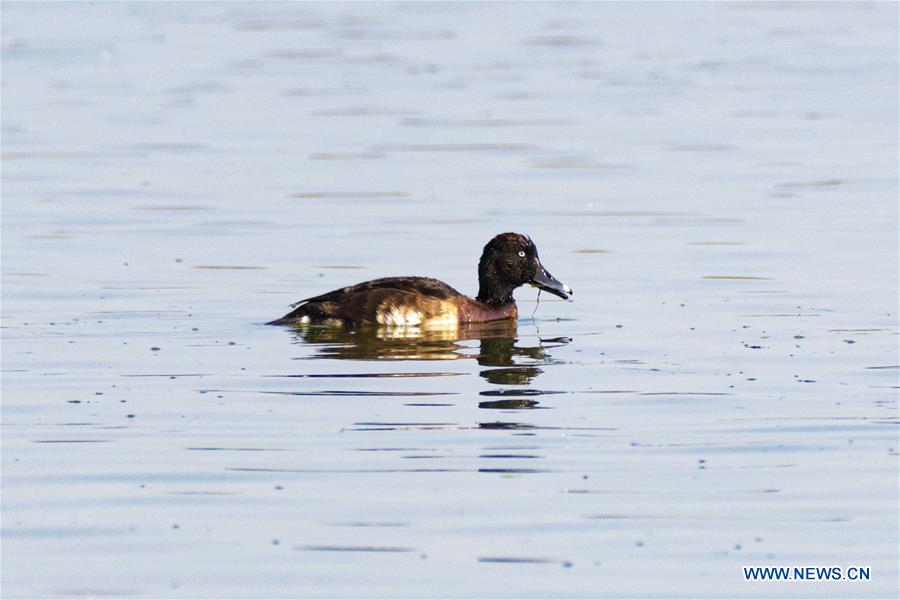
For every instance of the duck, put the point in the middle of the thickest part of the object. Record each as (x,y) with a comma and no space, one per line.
(508,261)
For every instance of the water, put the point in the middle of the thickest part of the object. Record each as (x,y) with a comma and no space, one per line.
(717,182)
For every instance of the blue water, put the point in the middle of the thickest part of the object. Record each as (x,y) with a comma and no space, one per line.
(717,182)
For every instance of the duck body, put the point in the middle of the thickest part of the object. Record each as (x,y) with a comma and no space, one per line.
(397,301)
(508,261)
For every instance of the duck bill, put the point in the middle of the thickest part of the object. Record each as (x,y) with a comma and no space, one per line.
(547,282)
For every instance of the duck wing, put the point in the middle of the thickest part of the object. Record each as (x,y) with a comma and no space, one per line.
(366,301)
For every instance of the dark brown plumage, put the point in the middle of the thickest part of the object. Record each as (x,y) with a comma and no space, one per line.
(509,260)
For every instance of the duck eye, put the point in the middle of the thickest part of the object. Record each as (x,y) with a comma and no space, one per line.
(522,253)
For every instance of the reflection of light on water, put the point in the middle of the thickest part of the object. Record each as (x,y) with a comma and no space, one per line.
(500,346)
(511,361)
(416,332)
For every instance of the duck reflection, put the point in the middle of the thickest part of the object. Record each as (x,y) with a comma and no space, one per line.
(510,362)
(367,342)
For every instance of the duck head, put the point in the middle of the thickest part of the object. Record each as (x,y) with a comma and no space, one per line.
(511,260)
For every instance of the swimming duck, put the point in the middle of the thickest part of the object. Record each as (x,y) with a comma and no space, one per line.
(508,261)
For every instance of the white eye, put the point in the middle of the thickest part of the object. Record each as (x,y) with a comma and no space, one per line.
(522,253)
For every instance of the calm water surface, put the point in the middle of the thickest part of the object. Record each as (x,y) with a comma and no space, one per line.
(717,182)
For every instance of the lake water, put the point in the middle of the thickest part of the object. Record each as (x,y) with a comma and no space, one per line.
(717,182)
